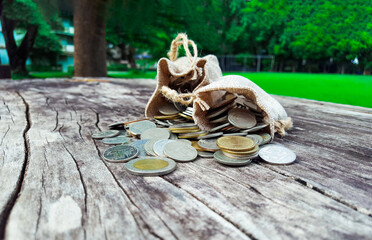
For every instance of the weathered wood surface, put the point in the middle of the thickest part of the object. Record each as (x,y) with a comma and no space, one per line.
(54,184)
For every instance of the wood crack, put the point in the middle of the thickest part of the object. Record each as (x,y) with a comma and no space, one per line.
(319,190)
(250,235)
(84,189)
(127,195)
(17,192)
(2,139)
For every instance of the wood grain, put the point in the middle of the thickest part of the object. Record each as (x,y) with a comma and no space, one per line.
(55,184)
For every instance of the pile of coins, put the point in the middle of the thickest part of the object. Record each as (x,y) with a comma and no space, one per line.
(153,146)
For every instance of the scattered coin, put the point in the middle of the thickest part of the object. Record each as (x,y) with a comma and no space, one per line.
(205,154)
(105,134)
(235,134)
(192,135)
(265,138)
(155,133)
(219,127)
(121,153)
(256,138)
(221,119)
(221,158)
(140,145)
(240,157)
(219,111)
(241,118)
(137,128)
(168,109)
(195,145)
(149,147)
(255,128)
(242,153)
(235,143)
(116,140)
(211,135)
(208,145)
(229,98)
(159,146)
(277,154)
(180,151)
(150,166)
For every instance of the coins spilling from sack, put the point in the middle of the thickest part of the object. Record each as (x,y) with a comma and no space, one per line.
(155,145)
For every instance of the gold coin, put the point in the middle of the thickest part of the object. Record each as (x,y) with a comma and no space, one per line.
(254,150)
(196,146)
(235,143)
(183,128)
(167,117)
(186,130)
(150,164)
(185,116)
(193,135)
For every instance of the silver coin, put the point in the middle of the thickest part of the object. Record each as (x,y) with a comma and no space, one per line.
(219,111)
(211,135)
(159,146)
(242,118)
(185,141)
(208,144)
(123,133)
(221,158)
(205,154)
(183,125)
(265,138)
(241,157)
(150,166)
(140,145)
(256,138)
(235,134)
(180,151)
(121,153)
(255,128)
(179,106)
(156,133)
(159,122)
(225,100)
(137,128)
(168,109)
(116,140)
(219,127)
(277,154)
(222,119)
(105,134)
(149,147)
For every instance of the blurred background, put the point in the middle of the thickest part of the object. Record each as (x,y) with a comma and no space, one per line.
(312,49)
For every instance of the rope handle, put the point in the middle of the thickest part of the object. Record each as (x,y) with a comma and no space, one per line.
(182,39)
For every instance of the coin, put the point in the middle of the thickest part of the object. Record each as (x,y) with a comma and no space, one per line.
(221,158)
(255,128)
(155,133)
(192,135)
(235,143)
(121,153)
(265,138)
(162,123)
(256,138)
(242,153)
(218,111)
(196,146)
(138,128)
(211,135)
(229,98)
(241,118)
(235,134)
(106,134)
(185,116)
(222,119)
(150,166)
(208,144)
(149,147)
(219,127)
(205,154)
(179,106)
(180,151)
(277,154)
(168,109)
(116,140)
(187,130)
(159,146)
(140,145)
(240,157)
(183,126)
(166,117)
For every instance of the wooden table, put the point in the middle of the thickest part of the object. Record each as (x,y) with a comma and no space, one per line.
(54,184)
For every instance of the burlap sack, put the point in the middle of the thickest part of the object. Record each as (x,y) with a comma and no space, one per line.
(274,113)
(177,79)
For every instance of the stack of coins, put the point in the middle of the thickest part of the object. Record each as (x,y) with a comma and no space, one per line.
(238,147)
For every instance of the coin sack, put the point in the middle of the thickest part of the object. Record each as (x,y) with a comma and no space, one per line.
(195,111)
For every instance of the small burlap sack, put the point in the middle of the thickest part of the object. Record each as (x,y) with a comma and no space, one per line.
(273,111)
(178,78)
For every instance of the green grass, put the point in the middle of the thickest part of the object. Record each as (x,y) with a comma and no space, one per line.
(346,89)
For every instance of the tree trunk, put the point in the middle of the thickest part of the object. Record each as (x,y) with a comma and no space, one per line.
(89,38)
(131,57)
(17,55)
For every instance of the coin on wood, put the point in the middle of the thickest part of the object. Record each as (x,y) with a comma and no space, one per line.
(208,144)
(121,153)
(140,145)
(105,134)
(180,151)
(155,133)
(277,154)
(205,154)
(150,166)
(137,128)
(235,143)
(265,138)
(159,146)
(149,147)
(256,138)
(221,158)
(242,118)
(116,140)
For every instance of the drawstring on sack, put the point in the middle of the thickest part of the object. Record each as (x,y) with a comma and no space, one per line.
(282,125)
